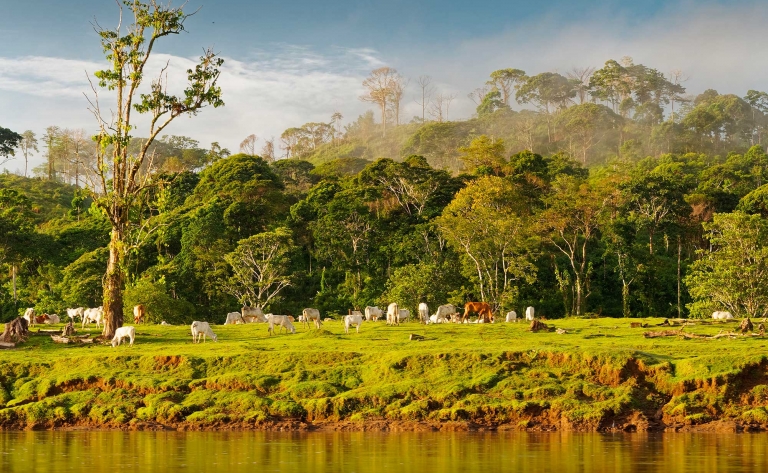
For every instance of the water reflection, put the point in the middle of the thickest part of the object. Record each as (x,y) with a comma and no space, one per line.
(363,452)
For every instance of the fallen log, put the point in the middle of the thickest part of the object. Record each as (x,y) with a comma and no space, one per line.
(416,337)
(7,345)
(637,325)
(81,339)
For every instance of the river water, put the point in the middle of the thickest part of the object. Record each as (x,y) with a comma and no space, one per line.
(364,452)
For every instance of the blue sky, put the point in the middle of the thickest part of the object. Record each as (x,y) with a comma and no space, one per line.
(293,62)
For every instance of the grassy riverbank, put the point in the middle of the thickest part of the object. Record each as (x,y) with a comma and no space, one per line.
(601,375)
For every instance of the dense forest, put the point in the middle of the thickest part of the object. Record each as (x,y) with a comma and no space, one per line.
(609,192)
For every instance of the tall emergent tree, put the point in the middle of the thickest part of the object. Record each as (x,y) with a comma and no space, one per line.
(27,145)
(8,141)
(119,173)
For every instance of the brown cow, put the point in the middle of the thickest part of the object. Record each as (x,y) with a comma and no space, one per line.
(138,313)
(482,309)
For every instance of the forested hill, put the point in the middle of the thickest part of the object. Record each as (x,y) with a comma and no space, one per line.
(678,234)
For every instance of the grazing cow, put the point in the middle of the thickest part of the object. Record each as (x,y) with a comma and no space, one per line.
(202,329)
(444,313)
(138,313)
(313,315)
(283,321)
(482,309)
(721,315)
(253,314)
(372,313)
(404,314)
(93,315)
(529,313)
(353,319)
(73,313)
(41,319)
(29,316)
(234,318)
(122,333)
(393,314)
(53,319)
(511,316)
(423,313)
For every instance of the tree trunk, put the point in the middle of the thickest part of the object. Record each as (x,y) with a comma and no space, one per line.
(13,271)
(578,295)
(679,255)
(625,298)
(113,283)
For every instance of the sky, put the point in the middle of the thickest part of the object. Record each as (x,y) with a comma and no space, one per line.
(292,62)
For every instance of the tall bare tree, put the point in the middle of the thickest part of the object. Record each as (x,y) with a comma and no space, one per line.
(248,145)
(378,88)
(27,145)
(427,89)
(580,76)
(479,94)
(50,138)
(398,90)
(441,105)
(268,150)
(336,123)
(119,181)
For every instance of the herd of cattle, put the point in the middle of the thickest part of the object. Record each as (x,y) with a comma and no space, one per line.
(447,313)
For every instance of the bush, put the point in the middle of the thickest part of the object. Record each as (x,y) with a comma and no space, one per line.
(159,305)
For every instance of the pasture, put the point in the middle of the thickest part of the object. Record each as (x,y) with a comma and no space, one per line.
(600,375)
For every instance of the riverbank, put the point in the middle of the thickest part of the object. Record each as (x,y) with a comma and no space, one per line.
(602,375)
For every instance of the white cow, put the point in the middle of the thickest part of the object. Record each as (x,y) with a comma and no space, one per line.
(202,329)
(529,313)
(444,313)
(93,315)
(253,314)
(511,316)
(164,323)
(234,318)
(404,314)
(283,321)
(53,319)
(372,313)
(73,313)
(721,315)
(311,314)
(122,333)
(393,314)
(423,313)
(353,319)
(29,314)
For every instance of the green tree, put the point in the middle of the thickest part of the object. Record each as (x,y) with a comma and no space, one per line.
(733,274)
(549,91)
(9,140)
(128,50)
(504,81)
(571,223)
(488,223)
(259,267)
(484,154)
(587,125)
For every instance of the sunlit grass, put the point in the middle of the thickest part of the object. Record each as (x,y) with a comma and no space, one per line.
(487,373)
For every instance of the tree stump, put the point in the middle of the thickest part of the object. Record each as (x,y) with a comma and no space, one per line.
(746,326)
(537,325)
(15,331)
(761,329)
(69,330)
(416,337)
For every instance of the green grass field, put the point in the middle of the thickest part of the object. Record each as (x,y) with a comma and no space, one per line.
(600,375)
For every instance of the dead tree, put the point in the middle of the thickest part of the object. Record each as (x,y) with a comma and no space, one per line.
(17,330)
